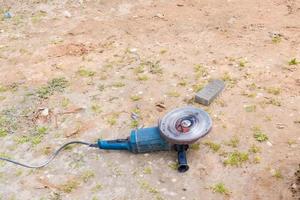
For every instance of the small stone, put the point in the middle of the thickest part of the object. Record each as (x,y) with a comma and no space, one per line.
(160,15)
(8,15)
(280,126)
(133,50)
(231,20)
(45,112)
(67,14)
(269,143)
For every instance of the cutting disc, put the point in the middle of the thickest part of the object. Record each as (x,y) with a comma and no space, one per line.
(185,125)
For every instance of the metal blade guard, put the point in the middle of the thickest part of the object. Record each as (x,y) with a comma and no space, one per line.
(176,130)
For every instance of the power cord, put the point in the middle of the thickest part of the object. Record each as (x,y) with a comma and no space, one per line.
(51,157)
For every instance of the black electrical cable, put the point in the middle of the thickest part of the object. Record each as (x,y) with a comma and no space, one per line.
(50,158)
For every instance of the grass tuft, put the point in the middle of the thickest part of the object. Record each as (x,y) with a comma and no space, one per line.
(220,188)
(213,146)
(85,72)
(293,62)
(259,135)
(70,186)
(236,158)
(55,85)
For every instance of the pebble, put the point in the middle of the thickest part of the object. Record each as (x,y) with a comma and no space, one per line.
(269,143)
(232,20)
(45,112)
(133,50)
(280,126)
(8,15)
(159,15)
(67,14)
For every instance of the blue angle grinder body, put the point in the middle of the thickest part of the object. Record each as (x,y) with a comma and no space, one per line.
(175,131)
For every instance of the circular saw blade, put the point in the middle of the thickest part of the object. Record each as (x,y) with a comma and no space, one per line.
(185,125)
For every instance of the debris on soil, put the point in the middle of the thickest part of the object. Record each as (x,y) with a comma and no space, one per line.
(72,49)
(160,106)
(295,186)
(46,184)
(72,110)
(77,128)
(42,115)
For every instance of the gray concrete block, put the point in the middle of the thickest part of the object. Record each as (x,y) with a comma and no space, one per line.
(210,92)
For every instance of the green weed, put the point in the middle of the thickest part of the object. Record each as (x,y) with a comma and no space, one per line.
(142,78)
(233,142)
(242,63)
(276,39)
(3,132)
(38,16)
(254,149)
(257,159)
(85,72)
(182,83)
(277,174)
(134,124)
(118,84)
(70,186)
(173,94)
(195,146)
(198,87)
(200,71)
(273,90)
(146,186)
(147,170)
(55,85)
(293,62)
(135,98)
(65,102)
(213,146)
(112,120)
(231,82)
(3,88)
(154,67)
(139,69)
(87,175)
(173,165)
(96,108)
(259,135)
(97,187)
(250,108)
(236,158)
(273,101)
(220,188)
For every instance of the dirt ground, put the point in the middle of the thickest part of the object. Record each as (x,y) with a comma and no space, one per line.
(75,70)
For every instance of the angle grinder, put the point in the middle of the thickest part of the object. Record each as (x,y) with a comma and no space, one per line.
(175,131)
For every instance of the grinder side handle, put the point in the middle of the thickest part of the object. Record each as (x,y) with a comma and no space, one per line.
(182,161)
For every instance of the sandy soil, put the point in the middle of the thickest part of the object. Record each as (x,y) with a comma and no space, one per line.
(107,59)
